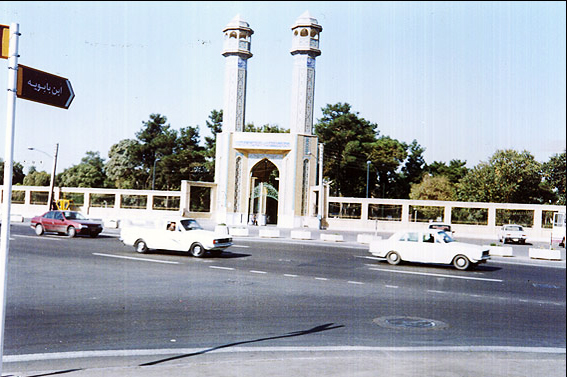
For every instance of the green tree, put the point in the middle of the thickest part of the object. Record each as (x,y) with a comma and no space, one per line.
(433,188)
(508,177)
(89,173)
(454,172)
(122,168)
(37,178)
(186,162)
(156,139)
(348,140)
(386,157)
(214,124)
(554,172)
(266,128)
(17,173)
(412,171)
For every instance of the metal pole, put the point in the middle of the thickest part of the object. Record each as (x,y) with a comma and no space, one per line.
(52,183)
(321,188)
(367,176)
(8,166)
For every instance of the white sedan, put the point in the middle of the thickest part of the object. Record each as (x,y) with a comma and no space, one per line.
(512,233)
(428,246)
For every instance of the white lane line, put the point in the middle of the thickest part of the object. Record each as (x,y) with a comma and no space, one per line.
(136,259)
(241,246)
(434,291)
(181,351)
(258,272)
(222,268)
(46,237)
(323,279)
(355,282)
(392,286)
(436,275)
(290,275)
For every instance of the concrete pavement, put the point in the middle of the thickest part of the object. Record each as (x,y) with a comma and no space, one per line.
(315,363)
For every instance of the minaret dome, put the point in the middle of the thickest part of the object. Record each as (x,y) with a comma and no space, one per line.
(306,32)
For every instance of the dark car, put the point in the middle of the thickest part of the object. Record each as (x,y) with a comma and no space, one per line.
(70,223)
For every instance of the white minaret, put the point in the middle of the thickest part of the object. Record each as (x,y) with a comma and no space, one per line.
(304,48)
(236,50)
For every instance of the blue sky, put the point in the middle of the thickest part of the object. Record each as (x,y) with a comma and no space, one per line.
(464,79)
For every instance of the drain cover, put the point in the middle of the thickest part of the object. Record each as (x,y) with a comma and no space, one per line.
(410,323)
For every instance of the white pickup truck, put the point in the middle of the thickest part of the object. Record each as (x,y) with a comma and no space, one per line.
(179,234)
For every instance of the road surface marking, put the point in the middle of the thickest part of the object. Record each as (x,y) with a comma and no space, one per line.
(136,259)
(392,286)
(258,272)
(181,351)
(241,246)
(434,291)
(324,279)
(436,275)
(290,275)
(222,268)
(355,282)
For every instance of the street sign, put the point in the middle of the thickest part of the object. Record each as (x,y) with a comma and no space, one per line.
(4,41)
(43,87)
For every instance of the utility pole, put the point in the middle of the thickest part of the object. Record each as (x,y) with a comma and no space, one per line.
(321,206)
(52,184)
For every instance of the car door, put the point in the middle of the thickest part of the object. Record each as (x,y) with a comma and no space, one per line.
(170,237)
(409,247)
(47,221)
(59,224)
(428,249)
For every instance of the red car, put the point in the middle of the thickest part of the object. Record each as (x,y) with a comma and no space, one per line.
(70,223)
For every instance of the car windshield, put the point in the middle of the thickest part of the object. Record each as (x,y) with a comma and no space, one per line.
(190,224)
(70,215)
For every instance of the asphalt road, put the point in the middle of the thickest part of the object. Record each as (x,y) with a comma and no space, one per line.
(86,296)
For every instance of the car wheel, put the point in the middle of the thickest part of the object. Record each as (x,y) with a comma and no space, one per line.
(461,262)
(71,232)
(197,250)
(393,258)
(141,246)
(39,230)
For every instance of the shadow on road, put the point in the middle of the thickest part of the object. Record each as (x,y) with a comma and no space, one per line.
(316,329)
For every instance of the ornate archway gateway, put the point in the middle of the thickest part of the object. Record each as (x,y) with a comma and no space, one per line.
(262,173)
(264,181)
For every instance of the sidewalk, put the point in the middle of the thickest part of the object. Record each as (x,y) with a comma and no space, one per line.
(340,363)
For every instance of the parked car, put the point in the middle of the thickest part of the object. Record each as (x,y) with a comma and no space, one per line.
(70,223)
(512,233)
(429,246)
(177,234)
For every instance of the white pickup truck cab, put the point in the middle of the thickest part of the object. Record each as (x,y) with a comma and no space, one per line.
(178,234)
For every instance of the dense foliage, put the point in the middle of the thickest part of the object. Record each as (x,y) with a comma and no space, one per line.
(358,161)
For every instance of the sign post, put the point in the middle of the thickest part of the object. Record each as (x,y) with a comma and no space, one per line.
(8,166)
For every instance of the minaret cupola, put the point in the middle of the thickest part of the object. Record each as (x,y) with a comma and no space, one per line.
(237,38)
(306,36)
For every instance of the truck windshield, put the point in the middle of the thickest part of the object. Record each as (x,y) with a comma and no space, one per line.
(190,224)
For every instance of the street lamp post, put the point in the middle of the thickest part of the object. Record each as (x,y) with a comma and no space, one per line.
(367,176)
(52,182)
(154,174)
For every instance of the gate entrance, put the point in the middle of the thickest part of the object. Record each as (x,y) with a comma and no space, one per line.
(264,178)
